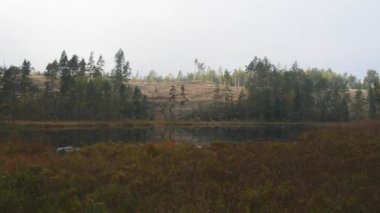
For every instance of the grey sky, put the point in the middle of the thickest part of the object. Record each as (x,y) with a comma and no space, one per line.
(166,35)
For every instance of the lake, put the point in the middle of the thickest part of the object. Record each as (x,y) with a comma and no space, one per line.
(199,135)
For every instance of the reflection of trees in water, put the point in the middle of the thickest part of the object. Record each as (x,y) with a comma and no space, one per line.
(241,134)
(80,137)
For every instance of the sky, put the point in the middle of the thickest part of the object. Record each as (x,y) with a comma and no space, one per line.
(167,35)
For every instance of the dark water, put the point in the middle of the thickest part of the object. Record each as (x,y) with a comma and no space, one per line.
(204,135)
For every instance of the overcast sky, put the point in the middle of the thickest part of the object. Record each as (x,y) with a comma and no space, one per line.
(167,35)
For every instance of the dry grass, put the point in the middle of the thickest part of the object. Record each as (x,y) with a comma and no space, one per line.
(334,169)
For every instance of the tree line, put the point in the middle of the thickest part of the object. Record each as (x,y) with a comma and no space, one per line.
(202,72)
(78,90)
(295,94)
(74,90)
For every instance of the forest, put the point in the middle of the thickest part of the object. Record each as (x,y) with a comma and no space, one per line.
(76,89)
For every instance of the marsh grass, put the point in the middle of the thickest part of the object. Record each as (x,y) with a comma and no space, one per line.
(333,169)
(20,125)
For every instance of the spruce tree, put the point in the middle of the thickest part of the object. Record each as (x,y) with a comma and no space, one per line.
(51,73)
(73,65)
(11,84)
(358,105)
(372,80)
(99,69)
(10,91)
(121,72)
(65,74)
(25,81)
(82,68)
(90,67)
(172,101)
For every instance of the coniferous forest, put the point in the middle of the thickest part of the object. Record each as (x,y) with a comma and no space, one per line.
(76,89)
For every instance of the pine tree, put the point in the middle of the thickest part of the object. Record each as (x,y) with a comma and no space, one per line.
(65,74)
(90,67)
(261,88)
(126,72)
(241,107)
(51,73)
(372,81)
(172,101)
(99,69)
(121,72)
(73,65)
(10,90)
(344,112)
(358,105)
(2,69)
(180,76)
(82,68)
(227,78)
(183,95)
(91,99)
(11,84)
(372,113)
(26,84)
(183,98)
(297,102)
(200,69)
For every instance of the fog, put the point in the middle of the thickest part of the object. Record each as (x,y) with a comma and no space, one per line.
(168,35)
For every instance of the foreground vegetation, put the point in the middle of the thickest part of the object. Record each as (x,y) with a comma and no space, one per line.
(335,169)
(20,125)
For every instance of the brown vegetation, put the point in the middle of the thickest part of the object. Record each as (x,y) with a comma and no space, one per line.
(336,169)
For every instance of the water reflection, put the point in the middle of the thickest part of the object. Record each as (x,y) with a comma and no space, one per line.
(79,137)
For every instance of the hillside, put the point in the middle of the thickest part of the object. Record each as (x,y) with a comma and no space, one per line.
(198,93)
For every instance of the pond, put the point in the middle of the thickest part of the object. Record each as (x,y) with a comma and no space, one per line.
(200,135)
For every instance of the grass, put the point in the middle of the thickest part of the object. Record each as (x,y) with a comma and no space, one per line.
(333,169)
(141,124)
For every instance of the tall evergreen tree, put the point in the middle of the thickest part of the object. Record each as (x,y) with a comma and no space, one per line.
(11,84)
(372,80)
(51,73)
(227,78)
(180,76)
(122,71)
(344,112)
(358,106)
(90,67)
(99,69)
(172,101)
(10,91)
(73,65)
(26,84)
(241,106)
(261,88)
(65,74)
(82,68)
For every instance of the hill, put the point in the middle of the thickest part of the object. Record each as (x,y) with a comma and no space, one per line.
(198,93)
